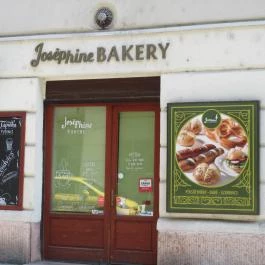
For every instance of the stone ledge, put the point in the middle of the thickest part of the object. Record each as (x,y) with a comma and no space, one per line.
(165,225)
(207,248)
(19,242)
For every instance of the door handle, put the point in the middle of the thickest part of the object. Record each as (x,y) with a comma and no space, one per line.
(112,197)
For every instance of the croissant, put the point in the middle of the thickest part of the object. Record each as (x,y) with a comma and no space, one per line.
(229,134)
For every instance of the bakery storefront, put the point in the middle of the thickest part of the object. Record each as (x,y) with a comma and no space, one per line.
(140,148)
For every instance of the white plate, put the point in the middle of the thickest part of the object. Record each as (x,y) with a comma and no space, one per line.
(227,174)
(221,164)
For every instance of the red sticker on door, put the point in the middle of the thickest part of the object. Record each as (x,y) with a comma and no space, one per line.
(101,201)
(145,185)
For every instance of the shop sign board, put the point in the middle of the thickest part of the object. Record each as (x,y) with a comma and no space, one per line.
(213,158)
(12,138)
(123,53)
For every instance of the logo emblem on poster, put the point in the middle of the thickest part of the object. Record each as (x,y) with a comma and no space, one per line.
(211,118)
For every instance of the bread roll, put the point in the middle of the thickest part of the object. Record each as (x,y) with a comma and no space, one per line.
(200,171)
(194,126)
(207,157)
(212,175)
(192,152)
(186,138)
(206,174)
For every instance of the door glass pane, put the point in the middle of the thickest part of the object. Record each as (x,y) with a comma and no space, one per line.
(135,164)
(78,159)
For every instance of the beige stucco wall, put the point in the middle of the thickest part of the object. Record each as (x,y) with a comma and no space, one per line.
(30,17)
(20,230)
(194,49)
(25,94)
(202,239)
(204,62)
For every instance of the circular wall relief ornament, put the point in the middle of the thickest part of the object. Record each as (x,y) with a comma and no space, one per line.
(104,17)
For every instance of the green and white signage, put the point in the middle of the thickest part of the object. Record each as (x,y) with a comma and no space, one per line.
(213,157)
(78,164)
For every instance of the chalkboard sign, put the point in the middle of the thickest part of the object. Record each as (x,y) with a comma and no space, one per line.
(12,138)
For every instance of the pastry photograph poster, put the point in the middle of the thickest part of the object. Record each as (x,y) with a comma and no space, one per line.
(213,158)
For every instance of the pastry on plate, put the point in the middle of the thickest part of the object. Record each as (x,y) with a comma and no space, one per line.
(206,174)
(186,138)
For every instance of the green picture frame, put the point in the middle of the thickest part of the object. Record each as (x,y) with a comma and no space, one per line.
(213,157)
